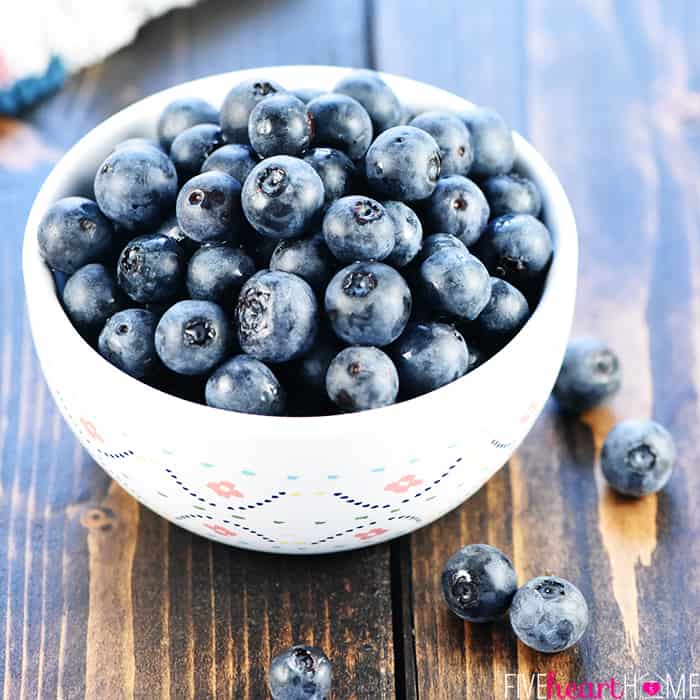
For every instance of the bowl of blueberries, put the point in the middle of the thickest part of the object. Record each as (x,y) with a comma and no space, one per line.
(301,309)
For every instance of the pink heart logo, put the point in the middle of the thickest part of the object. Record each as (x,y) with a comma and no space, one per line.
(651,688)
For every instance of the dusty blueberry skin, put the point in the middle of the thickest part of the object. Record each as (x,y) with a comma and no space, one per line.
(453,139)
(549,614)
(245,385)
(91,296)
(638,457)
(192,147)
(240,102)
(280,125)
(458,207)
(136,187)
(503,316)
(403,163)
(234,159)
(300,673)
(455,283)
(128,342)
(408,233)
(209,207)
(340,122)
(368,303)
(181,114)
(217,272)
(281,197)
(438,241)
(517,248)
(370,90)
(151,268)
(139,142)
(362,378)
(307,94)
(358,228)
(276,316)
(478,583)
(192,337)
(492,141)
(73,233)
(428,356)
(512,194)
(309,258)
(590,374)
(337,172)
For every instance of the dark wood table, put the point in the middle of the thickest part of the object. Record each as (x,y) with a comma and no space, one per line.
(100,598)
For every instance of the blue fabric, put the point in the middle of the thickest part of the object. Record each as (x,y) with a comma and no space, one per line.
(27,91)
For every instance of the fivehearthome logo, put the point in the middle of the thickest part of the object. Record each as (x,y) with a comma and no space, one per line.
(642,686)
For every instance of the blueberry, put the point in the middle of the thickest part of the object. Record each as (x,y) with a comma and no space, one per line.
(281,197)
(312,368)
(518,248)
(239,103)
(128,342)
(136,187)
(245,385)
(217,272)
(458,207)
(504,315)
(370,90)
(590,374)
(233,159)
(181,114)
(438,241)
(361,378)
(453,139)
(408,234)
(309,258)
(492,141)
(151,268)
(341,122)
(368,303)
(300,673)
(478,583)
(337,172)
(512,194)
(455,283)
(193,337)
(549,614)
(276,316)
(138,142)
(73,233)
(209,207)
(403,163)
(91,296)
(280,125)
(307,94)
(193,146)
(358,228)
(260,248)
(428,356)
(477,356)
(638,457)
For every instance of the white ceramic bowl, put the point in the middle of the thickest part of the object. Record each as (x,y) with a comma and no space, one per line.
(298,485)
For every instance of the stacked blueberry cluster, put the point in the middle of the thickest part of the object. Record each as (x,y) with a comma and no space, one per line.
(303,253)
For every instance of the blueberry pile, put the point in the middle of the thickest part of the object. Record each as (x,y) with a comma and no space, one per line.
(303,253)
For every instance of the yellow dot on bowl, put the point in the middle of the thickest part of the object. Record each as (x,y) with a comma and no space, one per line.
(319,493)
(299,543)
(296,493)
(284,542)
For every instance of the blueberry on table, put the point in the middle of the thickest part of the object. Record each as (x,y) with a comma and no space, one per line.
(300,673)
(245,385)
(408,233)
(151,268)
(240,102)
(276,316)
(280,125)
(372,92)
(193,146)
(492,141)
(638,457)
(341,122)
(549,614)
(512,194)
(217,271)
(73,233)
(361,378)
(428,356)
(503,316)
(368,303)
(458,207)
(309,258)
(128,342)
(281,197)
(181,114)
(136,187)
(438,241)
(193,337)
(234,159)
(337,172)
(403,163)
(91,296)
(478,583)
(453,139)
(358,228)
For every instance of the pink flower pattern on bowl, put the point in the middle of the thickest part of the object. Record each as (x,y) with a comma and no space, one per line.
(225,489)
(374,532)
(405,483)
